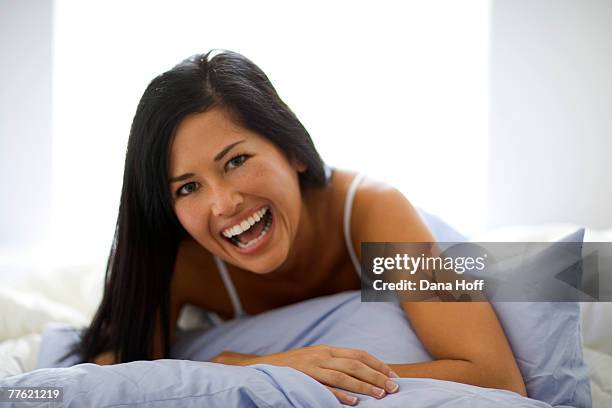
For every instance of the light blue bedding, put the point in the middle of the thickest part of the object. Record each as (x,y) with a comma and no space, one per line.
(341,319)
(180,383)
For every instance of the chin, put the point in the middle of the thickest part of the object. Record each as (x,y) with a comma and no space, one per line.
(260,272)
(266,266)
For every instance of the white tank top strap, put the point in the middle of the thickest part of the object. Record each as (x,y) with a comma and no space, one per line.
(229,285)
(348,206)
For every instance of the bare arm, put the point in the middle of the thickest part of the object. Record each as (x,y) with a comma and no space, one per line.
(232,358)
(107,358)
(466,340)
(468,347)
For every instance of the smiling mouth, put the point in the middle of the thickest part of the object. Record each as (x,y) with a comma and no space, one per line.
(254,234)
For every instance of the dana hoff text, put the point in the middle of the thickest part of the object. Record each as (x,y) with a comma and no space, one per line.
(424,284)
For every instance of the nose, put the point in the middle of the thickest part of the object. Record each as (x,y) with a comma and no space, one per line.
(225,200)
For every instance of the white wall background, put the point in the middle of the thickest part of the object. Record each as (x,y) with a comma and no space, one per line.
(550,157)
(397,89)
(400,91)
(25,121)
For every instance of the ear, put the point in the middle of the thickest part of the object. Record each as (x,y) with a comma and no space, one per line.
(298,165)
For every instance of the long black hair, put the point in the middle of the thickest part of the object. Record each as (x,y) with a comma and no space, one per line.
(147,234)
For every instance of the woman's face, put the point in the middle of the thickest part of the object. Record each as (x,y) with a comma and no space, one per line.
(234,191)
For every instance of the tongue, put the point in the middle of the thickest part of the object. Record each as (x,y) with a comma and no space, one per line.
(252,232)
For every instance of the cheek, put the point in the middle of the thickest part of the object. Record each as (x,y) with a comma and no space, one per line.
(190,218)
(273,172)
(277,181)
(276,178)
(260,179)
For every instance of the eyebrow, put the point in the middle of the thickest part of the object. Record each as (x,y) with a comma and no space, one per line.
(218,157)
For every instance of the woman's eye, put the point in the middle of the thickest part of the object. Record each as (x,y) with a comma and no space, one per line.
(237,161)
(186,189)
(234,162)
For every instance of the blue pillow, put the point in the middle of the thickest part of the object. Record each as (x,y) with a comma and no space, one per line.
(546,340)
(545,336)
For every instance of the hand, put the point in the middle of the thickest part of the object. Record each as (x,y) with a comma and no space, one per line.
(339,369)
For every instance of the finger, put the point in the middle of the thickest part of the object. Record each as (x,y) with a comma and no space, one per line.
(343,397)
(365,358)
(344,381)
(361,371)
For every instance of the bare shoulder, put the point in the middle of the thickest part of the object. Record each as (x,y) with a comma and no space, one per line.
(381,213)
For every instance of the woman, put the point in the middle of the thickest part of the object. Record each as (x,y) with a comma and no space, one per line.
(221,175)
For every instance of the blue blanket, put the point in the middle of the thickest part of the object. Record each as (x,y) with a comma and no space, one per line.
(181,383)
(187,380)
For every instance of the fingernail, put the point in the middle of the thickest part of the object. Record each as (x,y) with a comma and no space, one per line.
(393,374)
(351,399)
(391,386)
(378,392)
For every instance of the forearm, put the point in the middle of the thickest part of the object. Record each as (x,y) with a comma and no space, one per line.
(232,358)
(461,371)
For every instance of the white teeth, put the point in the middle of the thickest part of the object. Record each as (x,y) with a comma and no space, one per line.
(245,224)
(253,241)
